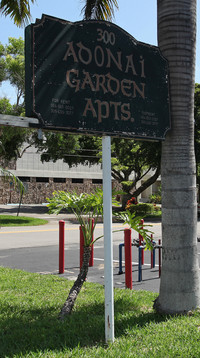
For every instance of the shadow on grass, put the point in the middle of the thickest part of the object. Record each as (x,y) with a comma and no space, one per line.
(15,221)
(9,220)
(40,330)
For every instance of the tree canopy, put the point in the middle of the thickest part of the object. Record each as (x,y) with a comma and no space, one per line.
(12,69)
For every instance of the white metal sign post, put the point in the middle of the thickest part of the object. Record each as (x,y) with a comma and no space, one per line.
(108,244)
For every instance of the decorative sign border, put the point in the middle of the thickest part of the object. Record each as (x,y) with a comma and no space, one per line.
(93,77)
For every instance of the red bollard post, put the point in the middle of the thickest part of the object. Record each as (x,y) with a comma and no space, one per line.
(81,246)
(141,242)
(91,262)
(128,258)
(159,257)
(61,246)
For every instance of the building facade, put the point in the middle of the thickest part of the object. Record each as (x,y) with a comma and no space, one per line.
(42,179)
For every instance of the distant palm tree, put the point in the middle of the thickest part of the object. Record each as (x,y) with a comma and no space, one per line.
(18,10)
(179,289)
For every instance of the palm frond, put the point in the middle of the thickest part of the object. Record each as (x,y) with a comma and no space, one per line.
(134,223)
(10,176)
(84,206)
(18,10)
(99,9)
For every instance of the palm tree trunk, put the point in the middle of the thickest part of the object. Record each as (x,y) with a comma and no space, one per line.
(69,303)
(179,288)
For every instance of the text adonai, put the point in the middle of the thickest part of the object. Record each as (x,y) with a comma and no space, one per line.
(119,76)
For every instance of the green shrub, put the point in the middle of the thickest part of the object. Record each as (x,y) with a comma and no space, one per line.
(141,209)
(155,198)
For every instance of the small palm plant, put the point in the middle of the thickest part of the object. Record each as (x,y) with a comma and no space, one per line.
(134,223)
(85,207)
(8,175)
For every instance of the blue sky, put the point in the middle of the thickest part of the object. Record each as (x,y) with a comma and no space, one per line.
(139,18)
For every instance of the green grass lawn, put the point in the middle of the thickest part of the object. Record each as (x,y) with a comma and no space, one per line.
(10,220)
(29,325)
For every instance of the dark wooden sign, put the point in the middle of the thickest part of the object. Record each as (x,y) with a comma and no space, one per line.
(93,77)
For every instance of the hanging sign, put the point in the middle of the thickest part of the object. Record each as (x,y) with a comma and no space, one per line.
(93,77)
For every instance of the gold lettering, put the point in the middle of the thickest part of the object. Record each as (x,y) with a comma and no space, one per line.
(117,61)
(116,81)
(142,67)
(99,49)
(130,65)
(137,89)
(125,109)
(100,81)
(74,83)
(87,81)
(89,107)
(70,52)
(88,54)
(100,108)
(126,85)
(116,105)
